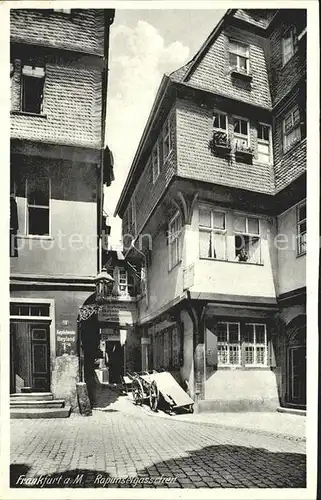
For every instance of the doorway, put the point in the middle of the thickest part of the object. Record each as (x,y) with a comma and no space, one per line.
(115,360)
(29,356)
(297,369)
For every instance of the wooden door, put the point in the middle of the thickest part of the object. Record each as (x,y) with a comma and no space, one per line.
(40,357)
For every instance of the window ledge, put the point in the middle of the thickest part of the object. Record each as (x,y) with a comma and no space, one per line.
(232,261)
(27,113)
(301,255)
(35,237)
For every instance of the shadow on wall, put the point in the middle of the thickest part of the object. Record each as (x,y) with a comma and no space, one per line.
(221,466)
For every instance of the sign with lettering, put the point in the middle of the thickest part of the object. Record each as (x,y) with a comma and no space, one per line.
(66,342)
(120,313)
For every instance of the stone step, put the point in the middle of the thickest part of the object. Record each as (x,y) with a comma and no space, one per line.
(40,412)
(34,403)
(32,396)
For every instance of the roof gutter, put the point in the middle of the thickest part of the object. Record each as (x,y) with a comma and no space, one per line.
(161,93)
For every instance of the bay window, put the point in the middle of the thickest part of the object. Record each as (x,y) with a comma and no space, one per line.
(247,240)
(212,234)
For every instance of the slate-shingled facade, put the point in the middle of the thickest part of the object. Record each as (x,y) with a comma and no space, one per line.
(59,165)
(224,303)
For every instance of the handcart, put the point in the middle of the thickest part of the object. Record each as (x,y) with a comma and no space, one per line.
(160,389)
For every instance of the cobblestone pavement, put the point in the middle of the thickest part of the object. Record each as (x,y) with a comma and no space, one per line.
(115,449)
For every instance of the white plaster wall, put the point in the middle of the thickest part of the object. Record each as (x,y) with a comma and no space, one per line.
(292,268)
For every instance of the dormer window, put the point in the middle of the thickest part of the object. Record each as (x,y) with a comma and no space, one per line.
(33,78)
(239,57)
(289,44)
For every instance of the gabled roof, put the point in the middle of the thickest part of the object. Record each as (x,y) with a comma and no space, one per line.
(179,76)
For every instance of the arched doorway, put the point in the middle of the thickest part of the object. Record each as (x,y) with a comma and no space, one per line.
(296,362)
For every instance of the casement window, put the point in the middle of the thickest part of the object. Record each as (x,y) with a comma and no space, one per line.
(247,239)
(228,343)
(220,122)
(32,87)
(291,128)
(143,279)
(241,344)
(239,57)
(155,161)
(264,143)
(125,283)
(241,133)
(289,44)
(167,146)
(301,228)
(255,344)
(38,206)
(174,241)
(24,309)
(212,234)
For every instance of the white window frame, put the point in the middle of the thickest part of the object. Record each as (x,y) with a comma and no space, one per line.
(125,283)
(155,166)
(167,137)
(36,206)
(286,57)
(286,134)
(254,344)
(213,230)
(227,344)
(238,55)
(175,239)
(299,233)
(219,129)
(247,233)
(239,136)
(265,142)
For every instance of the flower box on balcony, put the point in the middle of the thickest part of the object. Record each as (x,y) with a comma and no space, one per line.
(243,150)
(220,142)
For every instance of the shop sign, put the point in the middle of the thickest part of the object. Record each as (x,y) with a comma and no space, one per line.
(66,342)
(120,313)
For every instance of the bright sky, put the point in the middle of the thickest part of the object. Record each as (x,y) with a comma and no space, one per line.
(144,44)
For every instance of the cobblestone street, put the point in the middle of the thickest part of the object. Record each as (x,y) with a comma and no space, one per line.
(115,449)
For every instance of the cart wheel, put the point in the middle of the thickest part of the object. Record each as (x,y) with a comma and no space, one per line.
(153,396)
(191,409)
(138,392)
